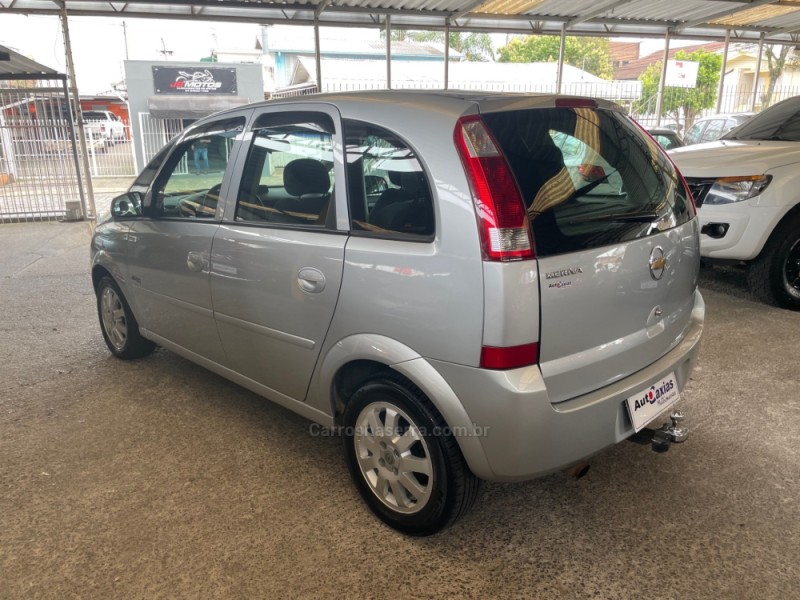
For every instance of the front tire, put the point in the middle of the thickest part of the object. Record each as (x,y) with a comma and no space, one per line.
(774,275)
(119,326)
(405,463)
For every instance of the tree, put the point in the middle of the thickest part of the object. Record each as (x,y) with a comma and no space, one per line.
(682,104)
(587,53)
(474,46)
(776,63)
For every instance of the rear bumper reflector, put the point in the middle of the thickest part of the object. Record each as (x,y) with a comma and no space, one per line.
(510,357)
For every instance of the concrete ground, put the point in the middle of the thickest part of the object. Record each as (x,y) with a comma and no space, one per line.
(158,479)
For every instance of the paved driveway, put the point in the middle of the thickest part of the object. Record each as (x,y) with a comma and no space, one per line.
(158,479)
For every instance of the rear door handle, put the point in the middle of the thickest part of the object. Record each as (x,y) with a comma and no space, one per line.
(311,280)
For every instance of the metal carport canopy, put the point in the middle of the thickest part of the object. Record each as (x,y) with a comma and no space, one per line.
(778,20)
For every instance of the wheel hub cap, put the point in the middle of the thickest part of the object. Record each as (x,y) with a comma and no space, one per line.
(393,457)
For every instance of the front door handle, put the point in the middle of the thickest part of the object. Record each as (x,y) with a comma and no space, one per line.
(311,280)
(195,261)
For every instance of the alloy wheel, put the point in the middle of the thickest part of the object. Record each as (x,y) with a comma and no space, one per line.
(114,321)
(393,457)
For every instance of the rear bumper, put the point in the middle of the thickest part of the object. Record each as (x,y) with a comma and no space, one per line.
(523,435)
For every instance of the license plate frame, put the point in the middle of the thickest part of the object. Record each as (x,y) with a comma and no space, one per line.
(646,405)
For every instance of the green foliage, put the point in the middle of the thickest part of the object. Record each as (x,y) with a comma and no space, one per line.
(474,46)
(587,53)
(682,104)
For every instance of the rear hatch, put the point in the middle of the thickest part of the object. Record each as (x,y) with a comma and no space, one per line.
(615,238)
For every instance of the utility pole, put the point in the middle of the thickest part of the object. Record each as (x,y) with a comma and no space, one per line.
(125,35)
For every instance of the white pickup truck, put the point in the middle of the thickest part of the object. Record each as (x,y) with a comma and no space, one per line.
(103,127)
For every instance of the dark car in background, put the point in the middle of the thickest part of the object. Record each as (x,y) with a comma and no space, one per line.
(667,137)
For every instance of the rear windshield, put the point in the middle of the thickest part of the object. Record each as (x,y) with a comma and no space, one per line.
(589,177)
(778,122)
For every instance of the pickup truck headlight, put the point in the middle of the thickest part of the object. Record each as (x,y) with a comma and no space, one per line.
(736,189)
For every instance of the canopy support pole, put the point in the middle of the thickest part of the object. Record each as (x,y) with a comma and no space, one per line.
(88,212)
(560,71)
(662,81)
(722,72)
(758,72)
(388,52)
(446,54)
(317,56)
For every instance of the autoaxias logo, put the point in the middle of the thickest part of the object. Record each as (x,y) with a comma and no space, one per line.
(200,81)
(655,395)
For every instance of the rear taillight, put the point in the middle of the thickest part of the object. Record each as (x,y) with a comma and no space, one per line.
(510,357)
(674,166)
(504,226)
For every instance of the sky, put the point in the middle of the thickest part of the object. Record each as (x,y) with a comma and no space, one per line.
(99,49)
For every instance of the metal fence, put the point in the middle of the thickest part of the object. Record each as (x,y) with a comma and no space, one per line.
(155,133)
(110,152)
(39,174)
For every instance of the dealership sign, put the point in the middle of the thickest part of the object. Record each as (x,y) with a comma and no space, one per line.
(193,80)
(681,73)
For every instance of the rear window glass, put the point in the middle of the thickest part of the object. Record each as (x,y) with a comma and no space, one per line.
(589,177)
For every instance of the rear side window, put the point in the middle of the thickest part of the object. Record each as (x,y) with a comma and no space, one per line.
(693,135)
(288,176)
(714,130)
(388,191)
(588,177)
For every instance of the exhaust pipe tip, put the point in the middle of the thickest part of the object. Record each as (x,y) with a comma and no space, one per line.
(578,471)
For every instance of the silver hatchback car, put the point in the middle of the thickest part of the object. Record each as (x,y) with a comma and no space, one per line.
(464,286)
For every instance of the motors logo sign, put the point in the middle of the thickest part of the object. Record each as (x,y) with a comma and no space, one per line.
(193,80)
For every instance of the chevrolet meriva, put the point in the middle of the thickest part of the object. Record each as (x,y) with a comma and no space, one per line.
(466,286)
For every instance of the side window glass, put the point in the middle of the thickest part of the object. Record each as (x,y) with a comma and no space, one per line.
(388,190)
(713,130)
(189,184)
(693,135)
(288,175)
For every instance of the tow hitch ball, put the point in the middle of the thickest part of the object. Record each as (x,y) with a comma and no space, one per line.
(661,438)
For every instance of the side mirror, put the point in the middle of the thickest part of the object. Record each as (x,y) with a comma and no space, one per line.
(127,205)
(375,184)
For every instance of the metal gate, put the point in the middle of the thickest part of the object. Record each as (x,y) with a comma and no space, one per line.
(39,173)
(155,133)
(110,150)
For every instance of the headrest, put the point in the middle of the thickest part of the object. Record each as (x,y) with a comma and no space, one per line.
(306,176)
(413,183)
(395,177)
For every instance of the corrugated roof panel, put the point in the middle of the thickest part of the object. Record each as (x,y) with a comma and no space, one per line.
(625,18)
(508,7)
(754,16)
(21,65)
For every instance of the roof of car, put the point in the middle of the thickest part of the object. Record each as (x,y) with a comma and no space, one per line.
(455,102)
(662,131)
(741,115)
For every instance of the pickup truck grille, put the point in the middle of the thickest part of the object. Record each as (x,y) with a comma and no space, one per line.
(699,188)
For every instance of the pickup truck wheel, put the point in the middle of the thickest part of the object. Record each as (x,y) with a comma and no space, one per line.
(404,461)
(119,326)
(774,276)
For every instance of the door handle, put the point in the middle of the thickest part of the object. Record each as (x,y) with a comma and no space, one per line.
(311,280)
(195,261)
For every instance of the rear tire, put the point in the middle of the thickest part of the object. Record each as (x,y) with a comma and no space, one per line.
(774,275)
(119,326)
(406,465)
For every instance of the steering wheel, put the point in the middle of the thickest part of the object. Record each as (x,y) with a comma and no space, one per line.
(212,195)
